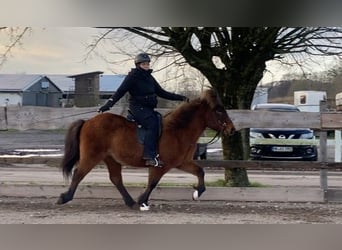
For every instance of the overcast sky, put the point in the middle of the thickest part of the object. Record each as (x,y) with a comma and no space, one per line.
(55,51)
(62,51)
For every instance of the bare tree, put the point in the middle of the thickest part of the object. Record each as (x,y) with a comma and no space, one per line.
(15,36)
(233,59)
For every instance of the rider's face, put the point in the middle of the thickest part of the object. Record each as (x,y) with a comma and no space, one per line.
(145,65)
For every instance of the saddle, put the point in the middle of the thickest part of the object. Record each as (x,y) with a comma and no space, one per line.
(141,131)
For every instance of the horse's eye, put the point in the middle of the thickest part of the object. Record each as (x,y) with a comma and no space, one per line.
(218,112)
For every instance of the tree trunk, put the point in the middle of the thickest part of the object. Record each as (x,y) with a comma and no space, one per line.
(236,147)
(248,51)
(233,148)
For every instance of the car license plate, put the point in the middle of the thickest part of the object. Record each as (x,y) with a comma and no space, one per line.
(282,149)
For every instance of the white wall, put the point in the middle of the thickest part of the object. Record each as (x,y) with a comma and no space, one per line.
(12,99)
(309,100)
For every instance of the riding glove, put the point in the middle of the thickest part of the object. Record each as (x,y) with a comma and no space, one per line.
(107,106)
(186,99)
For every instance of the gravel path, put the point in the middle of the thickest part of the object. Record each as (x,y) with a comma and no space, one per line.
(107,211)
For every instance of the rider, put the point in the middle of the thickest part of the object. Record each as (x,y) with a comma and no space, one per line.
(143,90)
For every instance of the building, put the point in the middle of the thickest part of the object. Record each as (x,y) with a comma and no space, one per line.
(309,100)
(58,90)
(108,84)
(24,90)
(87,89)
(67,85)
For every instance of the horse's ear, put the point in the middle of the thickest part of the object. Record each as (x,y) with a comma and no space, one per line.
(211,97)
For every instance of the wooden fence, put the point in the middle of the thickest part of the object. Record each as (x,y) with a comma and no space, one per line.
(320,122)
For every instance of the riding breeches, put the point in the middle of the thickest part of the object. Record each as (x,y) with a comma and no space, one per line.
(150,122)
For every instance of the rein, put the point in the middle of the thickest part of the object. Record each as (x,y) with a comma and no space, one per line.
(217,135)
(61,117)
(215,138)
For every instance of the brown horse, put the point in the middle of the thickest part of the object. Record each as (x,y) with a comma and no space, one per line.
(113,139)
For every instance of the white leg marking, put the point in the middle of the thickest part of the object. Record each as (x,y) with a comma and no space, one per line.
(144,207)
(195,195)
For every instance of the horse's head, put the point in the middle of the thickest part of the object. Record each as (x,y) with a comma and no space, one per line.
(217,117)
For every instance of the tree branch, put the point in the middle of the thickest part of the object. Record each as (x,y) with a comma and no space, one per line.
(16,40)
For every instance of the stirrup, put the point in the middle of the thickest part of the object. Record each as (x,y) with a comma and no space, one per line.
(154,162)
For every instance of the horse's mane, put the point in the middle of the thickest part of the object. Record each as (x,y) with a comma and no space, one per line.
(184,113)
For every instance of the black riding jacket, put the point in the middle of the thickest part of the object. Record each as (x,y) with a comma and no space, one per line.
(143,90)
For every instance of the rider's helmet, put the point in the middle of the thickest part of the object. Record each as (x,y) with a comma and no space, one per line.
(142,57)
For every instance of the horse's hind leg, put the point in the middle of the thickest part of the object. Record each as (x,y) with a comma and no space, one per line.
(192,168)
(115,176)
(79,173)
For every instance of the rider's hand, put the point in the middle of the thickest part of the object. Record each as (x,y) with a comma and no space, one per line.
(186,99)
(106,106)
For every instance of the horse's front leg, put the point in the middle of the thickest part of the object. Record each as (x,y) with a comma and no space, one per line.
(192,168)
(154,176)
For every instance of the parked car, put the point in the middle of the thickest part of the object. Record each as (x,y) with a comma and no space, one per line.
(201,147)
(280,148)
(201,151)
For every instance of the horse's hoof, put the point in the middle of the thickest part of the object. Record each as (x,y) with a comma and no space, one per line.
(60,201)
(144,207)
(195,195)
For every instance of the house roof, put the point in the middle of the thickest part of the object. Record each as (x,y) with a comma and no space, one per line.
(110,83)
(17,82)
(87,74)
(65,83)
(20,82)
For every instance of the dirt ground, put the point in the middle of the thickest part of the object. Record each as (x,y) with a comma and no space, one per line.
(16,210)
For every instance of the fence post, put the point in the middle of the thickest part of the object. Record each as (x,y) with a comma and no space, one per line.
(337,145)
(323,155)
(3,119)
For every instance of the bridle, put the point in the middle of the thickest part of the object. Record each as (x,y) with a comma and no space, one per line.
(218,133)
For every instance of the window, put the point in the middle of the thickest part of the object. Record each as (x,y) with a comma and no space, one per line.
(302,99)
(45,84)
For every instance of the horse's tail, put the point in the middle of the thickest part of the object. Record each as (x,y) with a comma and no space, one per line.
(71,147)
